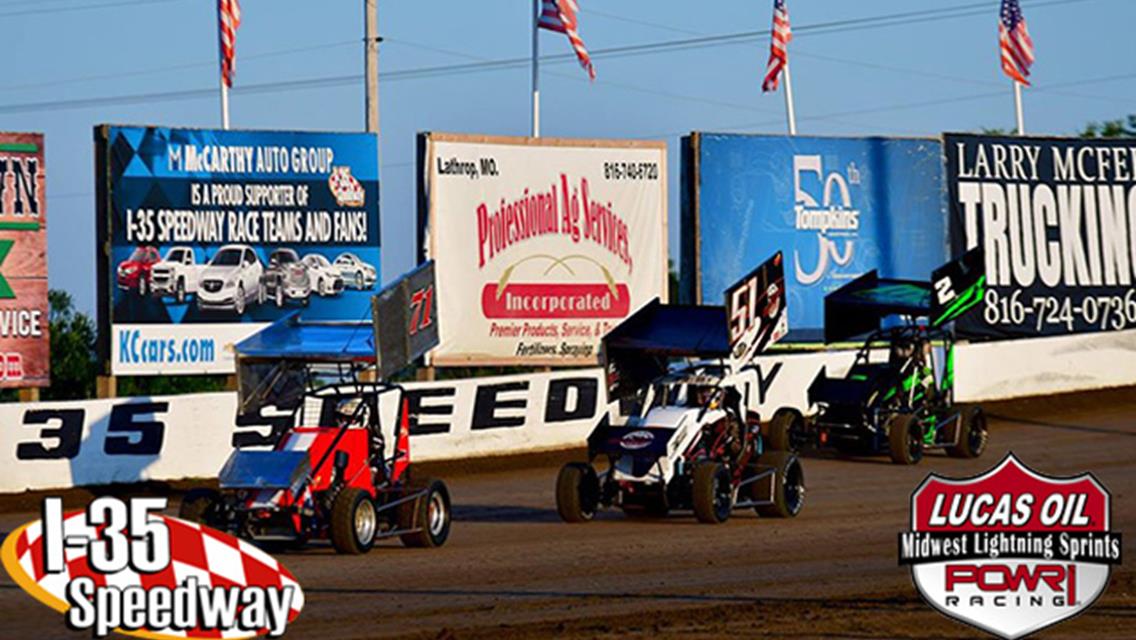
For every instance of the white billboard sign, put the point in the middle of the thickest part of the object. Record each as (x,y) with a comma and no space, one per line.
(542,245)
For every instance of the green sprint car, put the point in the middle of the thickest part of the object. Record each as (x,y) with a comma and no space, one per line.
(902,404)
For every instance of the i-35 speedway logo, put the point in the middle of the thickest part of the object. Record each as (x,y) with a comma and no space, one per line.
(1010,551)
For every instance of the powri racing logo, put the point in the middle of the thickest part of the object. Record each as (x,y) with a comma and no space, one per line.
(1010,551)
(124,567)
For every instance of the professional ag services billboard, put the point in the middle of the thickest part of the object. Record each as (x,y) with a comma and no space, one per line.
(837,207)
(205,236)
(541,245)
(25,359)
(1057,220)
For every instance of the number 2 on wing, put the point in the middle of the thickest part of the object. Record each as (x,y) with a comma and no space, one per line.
(944,291)
(420,303)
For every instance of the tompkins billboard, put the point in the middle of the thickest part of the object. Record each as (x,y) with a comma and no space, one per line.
(1057,220)
(205,236)
(541,244)
(837,207)
(25,358)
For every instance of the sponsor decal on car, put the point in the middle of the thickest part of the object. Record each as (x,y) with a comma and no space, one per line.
(1010,551)
(124,567)
(635,440)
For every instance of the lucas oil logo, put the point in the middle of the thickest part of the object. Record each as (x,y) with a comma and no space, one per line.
(1010,551)
(828,212)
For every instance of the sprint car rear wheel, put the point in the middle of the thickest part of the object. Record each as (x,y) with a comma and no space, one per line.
(905,439)
(577,492)
(353,522)
(200,506)
(972,436)
(786,431)
(788,485)
(430,514)
(713,493)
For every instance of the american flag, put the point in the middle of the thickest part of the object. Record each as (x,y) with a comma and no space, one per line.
(778,46)
(229,17)
(560,16)
(1015,42)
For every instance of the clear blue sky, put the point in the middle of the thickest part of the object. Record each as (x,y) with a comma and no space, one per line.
(901,79)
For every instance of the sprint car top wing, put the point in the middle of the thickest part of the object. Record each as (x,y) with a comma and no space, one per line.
(638,350)
(859,306)
(272,364)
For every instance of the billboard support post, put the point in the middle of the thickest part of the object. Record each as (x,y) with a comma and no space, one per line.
(106,387)
(790,112)
(536,69)
(371,55)
(1018,108)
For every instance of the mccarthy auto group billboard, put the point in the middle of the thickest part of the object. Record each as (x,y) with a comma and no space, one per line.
(837,207)
(1056,218)
(541,245)
(206,236)
(24,341)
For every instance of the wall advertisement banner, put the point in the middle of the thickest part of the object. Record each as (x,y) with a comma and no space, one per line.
(837,207)
(205,236)
(1057,220)
(542,245)
(25,358)
(84,442)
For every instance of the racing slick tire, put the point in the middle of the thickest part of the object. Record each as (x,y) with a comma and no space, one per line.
(200,506)
(354,522)
(905,439)
(713,493)
(972,435)
(430,514)
(577,492)
(786,430)
(788,485)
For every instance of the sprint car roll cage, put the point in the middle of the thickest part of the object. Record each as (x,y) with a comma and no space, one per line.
(906,403)
(690,441)
(327,472)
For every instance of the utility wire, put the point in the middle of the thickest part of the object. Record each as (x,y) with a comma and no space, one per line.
(87,7)
(508,63)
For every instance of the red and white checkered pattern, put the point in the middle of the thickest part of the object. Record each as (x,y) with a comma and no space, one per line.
(213,558)
(346,189)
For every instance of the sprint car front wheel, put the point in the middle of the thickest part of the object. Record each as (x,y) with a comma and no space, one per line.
(200,506)
(905,439)
(786,431)
(788,485)
(353,522)
(577,492)
(713,493)
(972,434)
(430,514)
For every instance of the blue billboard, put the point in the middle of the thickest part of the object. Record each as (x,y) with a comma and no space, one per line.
(207,235)
(837,207)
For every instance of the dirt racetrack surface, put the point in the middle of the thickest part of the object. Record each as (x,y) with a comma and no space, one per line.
(511,569)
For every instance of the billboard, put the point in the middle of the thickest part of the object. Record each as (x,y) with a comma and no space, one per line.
(837,207)
(206,236)
(1057,220)
(541,244)
(25,345)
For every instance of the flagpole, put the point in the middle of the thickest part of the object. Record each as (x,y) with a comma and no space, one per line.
(221,54)
(790,113)
(536,69)
(1018,108)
